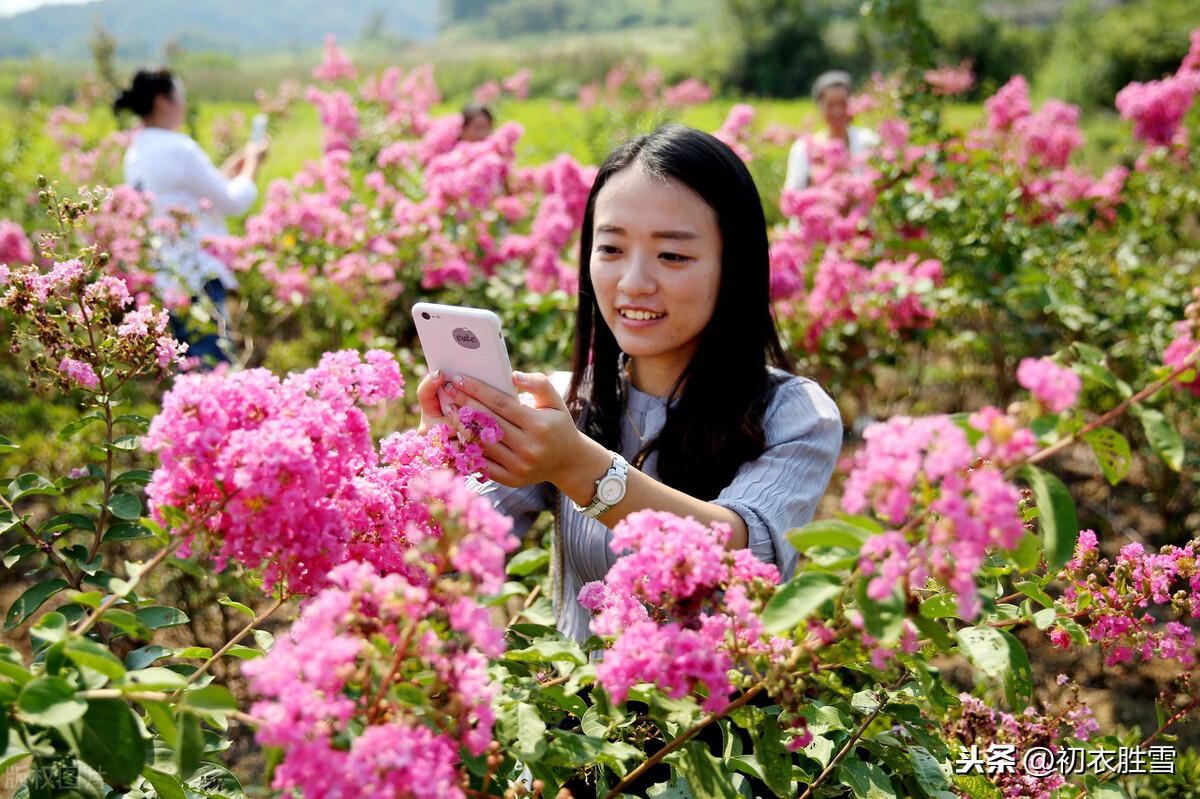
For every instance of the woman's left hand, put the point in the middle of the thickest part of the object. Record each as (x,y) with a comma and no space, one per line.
(540,442)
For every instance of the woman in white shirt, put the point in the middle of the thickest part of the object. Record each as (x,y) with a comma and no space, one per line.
(181,180)
(832,93)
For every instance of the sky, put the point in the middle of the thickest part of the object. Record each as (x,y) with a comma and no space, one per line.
(10,7)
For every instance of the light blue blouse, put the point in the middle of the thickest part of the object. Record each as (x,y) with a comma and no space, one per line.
(773,494)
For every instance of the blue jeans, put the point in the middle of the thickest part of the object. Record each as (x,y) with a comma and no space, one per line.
(211,347)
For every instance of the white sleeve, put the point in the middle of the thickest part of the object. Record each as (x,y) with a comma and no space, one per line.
(780,490)
(797,168)
(199,176)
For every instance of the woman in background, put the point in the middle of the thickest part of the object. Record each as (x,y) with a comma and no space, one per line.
(170,166)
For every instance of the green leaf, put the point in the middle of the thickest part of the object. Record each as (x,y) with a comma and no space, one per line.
(929,771)
(530,733)
(866,780)
(977,786)
(1031,590)
(707,777)
(229,603)
(111,740)
(86,652)
(126,621)
(125,506)
(547,652)
(32,599)
(573,751)
(50,629)
(1112,450)
(139,477)
(164,722)
(126,531)
(153,678)
(189,744)
(65,779)
(71,428)
(940,606)
(30,484)
(934,631)
(799,598)
(528,561)
(68,521)
(1163,437)
(167,786)
(6,445)
(127,443)
(243,652)
(1056,515)
(213,779)
(773,756)
(210,699)
(156,617)
(49,701)
(999,655)
(12,667)
(136,420)
(15,554)
(828,533)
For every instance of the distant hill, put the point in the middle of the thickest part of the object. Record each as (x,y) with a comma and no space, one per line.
(238,27)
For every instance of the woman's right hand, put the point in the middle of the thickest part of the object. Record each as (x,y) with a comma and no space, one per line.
(428,391)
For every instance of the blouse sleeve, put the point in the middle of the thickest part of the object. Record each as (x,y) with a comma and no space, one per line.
(523,504)
(230,197)
(780,490)
(797,166)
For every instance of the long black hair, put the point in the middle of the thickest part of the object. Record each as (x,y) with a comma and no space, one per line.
(147,84)
(717,423)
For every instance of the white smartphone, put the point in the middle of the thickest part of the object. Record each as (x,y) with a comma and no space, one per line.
(258,129)
(464,341)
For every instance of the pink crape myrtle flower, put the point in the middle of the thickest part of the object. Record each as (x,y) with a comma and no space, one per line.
(80,372)
(15,249)
(336,64)
(1121,605)
(1177,353)
(286,477)
(972,508)
(1054,386)
(365,623)
(675,601)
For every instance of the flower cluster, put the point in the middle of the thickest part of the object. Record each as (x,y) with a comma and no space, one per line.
(87,331)
(968,506)
(1113,601)
(382,682)
(628,85)
(979,726)
(1156,108)
(946,80)
(1185,345)
(1055,387)
(240,453)
(430,209)
(680,606)
(15,248)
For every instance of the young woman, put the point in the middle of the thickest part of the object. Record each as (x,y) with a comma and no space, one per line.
(675,402)
(171,167)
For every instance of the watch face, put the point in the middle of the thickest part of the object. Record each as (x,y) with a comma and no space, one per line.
(611,490)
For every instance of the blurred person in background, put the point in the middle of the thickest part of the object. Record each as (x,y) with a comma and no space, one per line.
(170,166)
(832,92)
(477,122)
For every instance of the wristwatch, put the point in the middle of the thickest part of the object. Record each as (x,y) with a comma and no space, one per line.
(610,489)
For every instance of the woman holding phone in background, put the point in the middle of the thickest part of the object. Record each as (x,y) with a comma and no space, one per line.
(169,165)
(680,397)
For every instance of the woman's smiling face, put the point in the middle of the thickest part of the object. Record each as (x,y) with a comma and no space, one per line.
(656,271)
